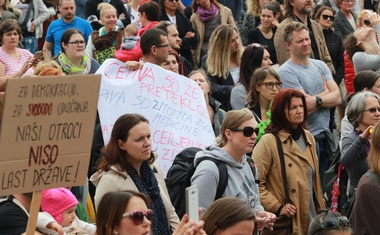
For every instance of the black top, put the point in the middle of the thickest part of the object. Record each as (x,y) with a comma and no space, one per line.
(256,36)
(13,219)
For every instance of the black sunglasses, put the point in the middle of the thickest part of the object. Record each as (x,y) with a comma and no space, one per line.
(173,0)
(373,110)
(333,223)
(138,216)
(325,17)
(367,22)
(247,130)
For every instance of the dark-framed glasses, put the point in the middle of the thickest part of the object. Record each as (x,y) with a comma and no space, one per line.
(333,223)
(247,130)
(162,45)
(325,17)
(372,110)
(270,85)
(138,216)
(77,43)
(173,0)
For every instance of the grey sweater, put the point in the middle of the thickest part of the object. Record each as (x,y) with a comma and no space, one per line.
(241,182)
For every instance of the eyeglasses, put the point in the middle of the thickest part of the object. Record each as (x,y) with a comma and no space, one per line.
(247,130)
(173,0)
(270,85)
(77,43)
(138,216)
(367,22)
(349,1)
(162,45)
(372,110)
(325,17)
(333,223)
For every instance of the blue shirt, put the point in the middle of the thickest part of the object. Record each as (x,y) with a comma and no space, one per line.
(58,27)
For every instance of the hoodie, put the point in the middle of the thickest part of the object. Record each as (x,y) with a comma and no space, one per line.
(241,182)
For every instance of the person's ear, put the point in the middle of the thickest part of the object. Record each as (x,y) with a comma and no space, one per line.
(228,134)
(121,144)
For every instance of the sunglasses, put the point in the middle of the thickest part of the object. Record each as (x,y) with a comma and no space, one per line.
(325,17)
(138,216)
(373,110)
(247,130)
(173,0)
(367,22)
(333,223)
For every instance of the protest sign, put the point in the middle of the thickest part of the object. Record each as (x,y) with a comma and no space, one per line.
(173,104)
(46,132)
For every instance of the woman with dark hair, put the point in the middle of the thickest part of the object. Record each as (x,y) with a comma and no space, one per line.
(170,12)
(254,56)
(207,15)
(14,62)
(73,59)
(229,215)
(149,16)
(329,223)
(215,112)
(172,61)
(270,16)
(365,213)
(126,212)
(362,46)
(127,163)
(288,120)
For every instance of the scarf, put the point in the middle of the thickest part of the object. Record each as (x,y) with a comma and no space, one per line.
(147,184)
(207,15)
(70,69)
(296,133)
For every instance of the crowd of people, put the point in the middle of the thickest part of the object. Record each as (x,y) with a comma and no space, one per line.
(274,74)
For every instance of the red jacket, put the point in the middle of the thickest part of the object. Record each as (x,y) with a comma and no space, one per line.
(349,74)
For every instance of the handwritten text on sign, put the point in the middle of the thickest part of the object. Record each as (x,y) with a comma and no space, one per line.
(46,132)
(173,104)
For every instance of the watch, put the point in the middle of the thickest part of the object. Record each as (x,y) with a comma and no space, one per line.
(319,101)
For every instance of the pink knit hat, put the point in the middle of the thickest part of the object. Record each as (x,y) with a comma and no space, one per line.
(56,200)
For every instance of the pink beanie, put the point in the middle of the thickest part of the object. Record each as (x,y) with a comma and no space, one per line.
(56,200)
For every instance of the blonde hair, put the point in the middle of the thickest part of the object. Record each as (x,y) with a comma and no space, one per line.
(219,54)
(46,64)
(374,154)
(233,119)
(105,6)
(253,7)
(362,13)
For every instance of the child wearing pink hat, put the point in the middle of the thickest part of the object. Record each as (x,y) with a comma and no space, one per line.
(58,214)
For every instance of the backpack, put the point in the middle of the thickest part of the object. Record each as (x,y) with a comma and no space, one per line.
(180,173)
(336,174)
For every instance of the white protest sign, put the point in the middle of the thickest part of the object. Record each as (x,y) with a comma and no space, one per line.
(46,132)
(173,104)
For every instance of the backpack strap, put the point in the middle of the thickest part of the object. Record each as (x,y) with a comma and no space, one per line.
(27,15)
(223,176)
(252,165)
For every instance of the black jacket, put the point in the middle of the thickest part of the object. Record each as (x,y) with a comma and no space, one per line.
(335,46)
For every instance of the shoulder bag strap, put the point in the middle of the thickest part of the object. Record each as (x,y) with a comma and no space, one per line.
(30,8)
(283,170)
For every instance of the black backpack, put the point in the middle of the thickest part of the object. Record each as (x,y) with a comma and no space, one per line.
(180,173)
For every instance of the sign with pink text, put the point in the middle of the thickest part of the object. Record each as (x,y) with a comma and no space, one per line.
(174,105)
(46,132)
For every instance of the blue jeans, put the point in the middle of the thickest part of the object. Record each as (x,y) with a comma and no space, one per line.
(30,43)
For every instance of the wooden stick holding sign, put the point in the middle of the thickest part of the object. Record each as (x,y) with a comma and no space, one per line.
(33,214)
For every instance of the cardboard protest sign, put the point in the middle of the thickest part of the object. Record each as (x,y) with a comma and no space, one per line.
(46,132)
(173,104)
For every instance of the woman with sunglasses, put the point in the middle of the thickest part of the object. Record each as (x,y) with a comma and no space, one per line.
(288,121)
(264,85)
(344,21)
(237,137)
(365,214)
(329,223)
(362,46)
(254,56)
(127,163)
(73,59)
(126,213)
(363,112)
(325,17)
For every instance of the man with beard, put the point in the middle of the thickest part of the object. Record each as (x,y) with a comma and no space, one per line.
(299,11)
(58,27)
(185,67)
(313,78)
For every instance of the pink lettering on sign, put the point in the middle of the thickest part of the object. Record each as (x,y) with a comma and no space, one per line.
(115,71)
